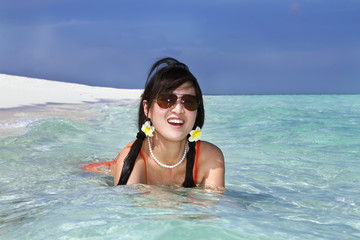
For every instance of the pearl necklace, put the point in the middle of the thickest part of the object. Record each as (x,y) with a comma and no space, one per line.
(164,165)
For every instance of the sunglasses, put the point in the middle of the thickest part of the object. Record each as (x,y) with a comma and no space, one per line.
(168,100)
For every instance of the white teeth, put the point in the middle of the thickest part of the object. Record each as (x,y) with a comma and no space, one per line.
(176,121)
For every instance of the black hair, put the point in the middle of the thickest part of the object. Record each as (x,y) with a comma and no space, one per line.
(165,76)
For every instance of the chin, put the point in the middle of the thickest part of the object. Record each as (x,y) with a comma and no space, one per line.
(177,138)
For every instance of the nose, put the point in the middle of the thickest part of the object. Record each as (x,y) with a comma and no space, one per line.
(178,107)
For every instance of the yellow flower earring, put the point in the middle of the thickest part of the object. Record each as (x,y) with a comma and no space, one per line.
(195,135)
(148,129)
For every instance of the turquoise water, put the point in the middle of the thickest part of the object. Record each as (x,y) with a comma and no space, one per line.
(292,172)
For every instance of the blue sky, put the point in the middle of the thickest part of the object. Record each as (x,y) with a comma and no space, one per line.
(231,46)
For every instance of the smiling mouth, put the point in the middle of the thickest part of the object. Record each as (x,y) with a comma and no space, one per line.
(176,122)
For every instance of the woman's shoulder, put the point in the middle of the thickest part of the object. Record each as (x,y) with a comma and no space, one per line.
(209,149)
(211,166)
(125,151)
(138,169)
(211,154)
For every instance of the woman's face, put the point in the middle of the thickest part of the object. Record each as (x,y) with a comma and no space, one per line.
(176,122)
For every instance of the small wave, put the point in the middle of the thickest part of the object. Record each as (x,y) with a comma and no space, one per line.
(19,123)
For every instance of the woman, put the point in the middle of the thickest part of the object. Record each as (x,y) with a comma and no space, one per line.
(164,152)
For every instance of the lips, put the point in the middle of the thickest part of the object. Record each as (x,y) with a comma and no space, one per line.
(175,122)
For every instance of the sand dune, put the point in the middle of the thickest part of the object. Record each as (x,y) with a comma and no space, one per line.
(16,91)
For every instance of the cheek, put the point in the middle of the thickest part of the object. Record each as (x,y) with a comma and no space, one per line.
(193,118)
(156,114)
(153,111)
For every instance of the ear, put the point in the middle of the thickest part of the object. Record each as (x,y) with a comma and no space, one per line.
(146,109)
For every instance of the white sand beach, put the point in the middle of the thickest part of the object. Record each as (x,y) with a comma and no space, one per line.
(26,100)
(16,91)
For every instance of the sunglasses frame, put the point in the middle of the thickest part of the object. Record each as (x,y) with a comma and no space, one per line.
(165,97)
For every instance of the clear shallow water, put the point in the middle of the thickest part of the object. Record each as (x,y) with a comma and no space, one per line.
(292,172)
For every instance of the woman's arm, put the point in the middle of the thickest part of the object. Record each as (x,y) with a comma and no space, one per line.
(211,165)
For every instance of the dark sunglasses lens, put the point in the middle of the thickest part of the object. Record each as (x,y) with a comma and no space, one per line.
(190,102)
(166,100)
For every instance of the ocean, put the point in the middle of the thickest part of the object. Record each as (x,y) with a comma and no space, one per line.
(292,172)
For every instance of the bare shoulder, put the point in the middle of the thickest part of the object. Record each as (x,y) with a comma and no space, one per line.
(211,153)
(211,166)
(122,155)
(119,162)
